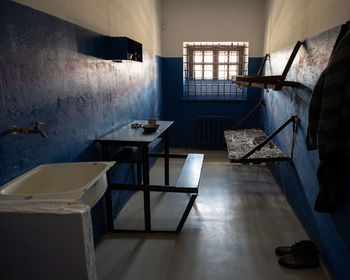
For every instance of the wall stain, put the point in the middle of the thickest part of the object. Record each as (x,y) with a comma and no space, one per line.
(51,71)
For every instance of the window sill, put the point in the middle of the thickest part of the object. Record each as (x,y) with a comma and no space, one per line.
(213,99)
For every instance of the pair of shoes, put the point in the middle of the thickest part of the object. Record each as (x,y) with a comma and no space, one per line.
(287,250)
(302,254)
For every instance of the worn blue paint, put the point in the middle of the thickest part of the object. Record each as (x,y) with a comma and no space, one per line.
(184,112)
(51,71)
(298,179)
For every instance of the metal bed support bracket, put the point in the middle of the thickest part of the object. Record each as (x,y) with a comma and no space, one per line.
(293,119)
(276,82)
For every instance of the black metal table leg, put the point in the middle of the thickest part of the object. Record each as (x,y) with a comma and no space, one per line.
(139,173)
(166,158)
(108,195)
(146,194)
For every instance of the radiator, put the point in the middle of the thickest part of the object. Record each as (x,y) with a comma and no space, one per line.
(210,130)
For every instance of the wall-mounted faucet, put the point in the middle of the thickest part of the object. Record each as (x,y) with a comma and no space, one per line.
(35,130)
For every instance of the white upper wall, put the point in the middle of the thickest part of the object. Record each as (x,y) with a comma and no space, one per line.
(288,21)
(212,20)
(139,20)
(202,20)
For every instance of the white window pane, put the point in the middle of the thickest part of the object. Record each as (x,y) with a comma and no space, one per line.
(198,75)
(208,75)
(198,56)
(233,70)
(222,56)
(198,71)
(222,75)
(208,56)
(208,72)
(222,72)
(198,59)
(234,56)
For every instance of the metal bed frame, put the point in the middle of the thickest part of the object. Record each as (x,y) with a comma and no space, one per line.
(251,153)
(276,82)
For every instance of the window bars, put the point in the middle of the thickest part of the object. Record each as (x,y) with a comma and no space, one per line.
(208,66)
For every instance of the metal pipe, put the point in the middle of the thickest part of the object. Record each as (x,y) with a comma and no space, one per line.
(263,64)
(295,128)
(25,130)
(262,102)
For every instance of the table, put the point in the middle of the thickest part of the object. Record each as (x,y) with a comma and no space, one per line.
(136,137)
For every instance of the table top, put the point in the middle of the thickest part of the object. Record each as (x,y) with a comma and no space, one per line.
(126,135)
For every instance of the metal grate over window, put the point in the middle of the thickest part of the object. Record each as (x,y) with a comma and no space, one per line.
(208,66)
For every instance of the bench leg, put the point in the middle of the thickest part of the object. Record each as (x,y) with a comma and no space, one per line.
(185,214)
(139,173)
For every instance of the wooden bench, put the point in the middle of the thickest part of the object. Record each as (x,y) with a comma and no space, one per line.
(188,182)
(190,179)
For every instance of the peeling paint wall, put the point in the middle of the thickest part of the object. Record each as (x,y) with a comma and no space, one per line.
(318,23)
(50,71)
(297,179)
(185,130)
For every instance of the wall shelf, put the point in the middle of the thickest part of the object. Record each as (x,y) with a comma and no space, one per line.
(122,49)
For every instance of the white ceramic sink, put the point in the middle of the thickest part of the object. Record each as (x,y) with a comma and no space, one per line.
(76,182)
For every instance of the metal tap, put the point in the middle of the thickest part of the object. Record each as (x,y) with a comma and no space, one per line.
(35,130)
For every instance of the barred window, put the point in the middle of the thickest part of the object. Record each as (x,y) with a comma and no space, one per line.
(208,66)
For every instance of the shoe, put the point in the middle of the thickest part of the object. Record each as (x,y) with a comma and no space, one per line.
(287,250)
(302,254)
(299,261)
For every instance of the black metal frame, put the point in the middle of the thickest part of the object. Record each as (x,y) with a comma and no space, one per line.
(213,88)
(158,188)
(143,182)
(245,159)
(276,82)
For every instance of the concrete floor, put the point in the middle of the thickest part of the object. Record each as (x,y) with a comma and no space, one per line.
(238,219)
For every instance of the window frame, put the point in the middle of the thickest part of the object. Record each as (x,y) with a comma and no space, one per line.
(215,49)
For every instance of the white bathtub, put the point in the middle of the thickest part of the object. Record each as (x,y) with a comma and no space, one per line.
(77,182)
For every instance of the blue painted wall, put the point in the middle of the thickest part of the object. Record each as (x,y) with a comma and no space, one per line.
(50,71)
(298,179)
(184,112)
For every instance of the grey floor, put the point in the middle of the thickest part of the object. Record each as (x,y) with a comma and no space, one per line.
(238,219)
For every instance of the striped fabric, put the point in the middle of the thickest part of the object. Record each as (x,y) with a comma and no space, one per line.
(329,112)
(329,124)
